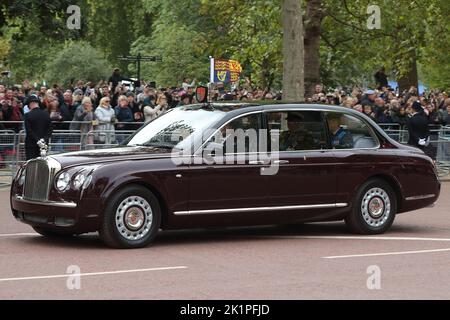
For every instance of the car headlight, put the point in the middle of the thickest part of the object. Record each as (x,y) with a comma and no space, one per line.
(79,180)
(63,182)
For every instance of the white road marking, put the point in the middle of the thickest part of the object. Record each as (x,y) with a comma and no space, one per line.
(387,254)
(91,274)
(360,238)
(18,235)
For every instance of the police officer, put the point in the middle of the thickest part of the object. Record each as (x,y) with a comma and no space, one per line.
(418,127)
(37,126)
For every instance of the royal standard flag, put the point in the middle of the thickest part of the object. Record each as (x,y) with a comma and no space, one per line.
(225,70)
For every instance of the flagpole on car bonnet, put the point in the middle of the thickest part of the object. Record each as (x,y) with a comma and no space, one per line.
(211,78)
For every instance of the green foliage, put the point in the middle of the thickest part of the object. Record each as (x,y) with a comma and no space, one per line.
(114,25)
(251,32)
(77,61)
(27,58)
(49,17)
(186,32)
(435,62)
(179,36)
(5,47)
(353,50)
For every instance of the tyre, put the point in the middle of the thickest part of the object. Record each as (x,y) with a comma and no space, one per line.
(374,208)
(51,233)
(132,218)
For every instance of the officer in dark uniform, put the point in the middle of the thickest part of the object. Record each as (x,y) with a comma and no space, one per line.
(37,126)
(296,137)
(418,127)
(341,138)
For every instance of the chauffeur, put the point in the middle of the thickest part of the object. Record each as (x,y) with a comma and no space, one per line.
(296,137)
(37,126)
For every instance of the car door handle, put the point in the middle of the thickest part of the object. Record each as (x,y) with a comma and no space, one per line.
(281,162)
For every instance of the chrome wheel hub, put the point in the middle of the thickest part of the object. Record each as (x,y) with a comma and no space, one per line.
(376,207)
(134,218)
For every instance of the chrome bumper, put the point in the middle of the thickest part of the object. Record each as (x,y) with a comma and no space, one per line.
(70,205)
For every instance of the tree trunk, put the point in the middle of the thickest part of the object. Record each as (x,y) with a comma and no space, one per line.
(313,32)
(410,78)
(293,52)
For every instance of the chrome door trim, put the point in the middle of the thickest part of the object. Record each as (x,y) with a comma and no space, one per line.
(420,197)
(260,209)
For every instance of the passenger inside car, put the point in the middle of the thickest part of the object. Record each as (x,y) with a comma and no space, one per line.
(296,137)
(341,138)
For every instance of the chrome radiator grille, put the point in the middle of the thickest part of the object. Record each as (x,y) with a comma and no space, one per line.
(37,178)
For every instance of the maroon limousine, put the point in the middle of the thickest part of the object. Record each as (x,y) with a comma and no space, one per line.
(228,164)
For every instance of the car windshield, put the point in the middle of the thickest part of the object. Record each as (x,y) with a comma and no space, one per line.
(176,128)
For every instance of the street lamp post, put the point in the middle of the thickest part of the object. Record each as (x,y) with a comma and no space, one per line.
(138,59)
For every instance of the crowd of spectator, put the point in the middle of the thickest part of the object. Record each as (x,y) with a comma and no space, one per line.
(113,105)
(386,106)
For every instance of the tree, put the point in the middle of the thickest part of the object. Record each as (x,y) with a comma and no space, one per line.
(181,53)
(251,32)
(5,47)
(179,36)
(435,61)
(114,25)
(35,31)
(293,77)
(400,43)
(49,17)
(313,31)
(77,61)
(27,58)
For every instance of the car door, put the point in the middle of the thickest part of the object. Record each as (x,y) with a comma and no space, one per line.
(232,183)
(357,152)
(306,175)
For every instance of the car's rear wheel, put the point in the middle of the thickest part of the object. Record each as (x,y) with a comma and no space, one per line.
(132,218)
(52,233)
(374,208)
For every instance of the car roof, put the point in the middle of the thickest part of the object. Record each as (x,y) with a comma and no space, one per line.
(235,108)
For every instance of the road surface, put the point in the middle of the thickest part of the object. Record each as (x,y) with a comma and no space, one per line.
(311,261)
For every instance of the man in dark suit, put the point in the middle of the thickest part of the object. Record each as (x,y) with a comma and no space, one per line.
(418,127)
(37,126)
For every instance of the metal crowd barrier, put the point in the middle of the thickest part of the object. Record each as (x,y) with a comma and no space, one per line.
(443,151)
(105,139)
(7,156)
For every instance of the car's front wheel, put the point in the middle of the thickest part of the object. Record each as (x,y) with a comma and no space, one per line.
(132,218)
(374,208)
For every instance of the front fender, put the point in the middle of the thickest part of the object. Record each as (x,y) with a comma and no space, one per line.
(160,176)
